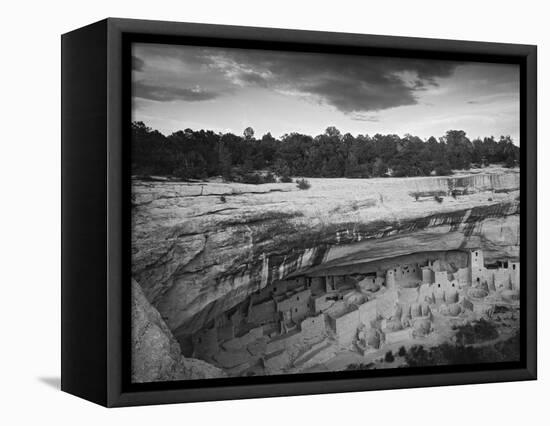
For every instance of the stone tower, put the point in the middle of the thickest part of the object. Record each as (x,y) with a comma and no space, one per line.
(390,279)
(477,267)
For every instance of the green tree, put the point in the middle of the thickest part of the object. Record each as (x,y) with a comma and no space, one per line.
(248,133)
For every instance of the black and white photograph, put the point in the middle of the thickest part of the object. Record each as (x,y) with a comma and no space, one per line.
(287,213)
(305,212)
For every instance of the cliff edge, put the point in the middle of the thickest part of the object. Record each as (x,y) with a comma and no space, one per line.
(156,355)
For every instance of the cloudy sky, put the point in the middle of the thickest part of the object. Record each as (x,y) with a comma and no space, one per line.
(227,90)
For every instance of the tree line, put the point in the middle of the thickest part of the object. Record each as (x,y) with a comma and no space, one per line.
(190,154)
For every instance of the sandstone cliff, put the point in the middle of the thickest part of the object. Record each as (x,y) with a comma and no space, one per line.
(156,355)
(200,248)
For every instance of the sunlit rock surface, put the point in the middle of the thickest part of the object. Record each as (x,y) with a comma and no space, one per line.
(198,249)
(156,355)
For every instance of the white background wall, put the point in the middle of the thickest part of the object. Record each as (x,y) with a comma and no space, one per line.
(30,200)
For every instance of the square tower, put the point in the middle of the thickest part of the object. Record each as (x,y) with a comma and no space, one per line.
(390,278)
(477,267)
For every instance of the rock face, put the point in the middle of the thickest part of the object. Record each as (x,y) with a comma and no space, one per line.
(156,355)
(198,249)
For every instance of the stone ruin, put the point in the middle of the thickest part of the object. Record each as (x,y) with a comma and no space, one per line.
(295,322)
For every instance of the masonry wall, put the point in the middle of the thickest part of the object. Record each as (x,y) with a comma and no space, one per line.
(404,276)
(297,305)
(263,312)
(346,327)
(313,326)
(317,285)
(386,303)
(342,282)
(462,275)
(477,267)
(283,342)
(502,278)
(515,275)
(441,279)
(279,288)
(322,303)
(390,278)
(367,313)
(427,275)
(398,336)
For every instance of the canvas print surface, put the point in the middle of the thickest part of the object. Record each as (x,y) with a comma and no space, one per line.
(298,212)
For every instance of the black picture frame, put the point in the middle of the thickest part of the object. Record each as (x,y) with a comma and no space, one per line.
(96,202)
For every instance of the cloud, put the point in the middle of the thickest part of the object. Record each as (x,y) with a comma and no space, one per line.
(166,93)
(495,98)
(137,63)
(358,116)
(348,83)
(351,84)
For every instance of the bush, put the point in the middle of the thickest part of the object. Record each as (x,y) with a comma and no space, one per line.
(448,354)
(476,332)
(270,178)
(286,179)
(402,351)
(360,366)
(389,357)
(252,178)
(443,171)
(418,357)
(257,178)
(510,162)
(303,184)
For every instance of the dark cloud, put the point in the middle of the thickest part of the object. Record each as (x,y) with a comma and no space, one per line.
(349,83)
(165,93)
(137,63)
(352,84)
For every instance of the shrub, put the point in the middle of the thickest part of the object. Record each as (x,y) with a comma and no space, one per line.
(446,353)
(303,184)
(286,179)
(257,178)
(389,357)
(269,178)
(402,351)
(360,366)
(510,162)
(476,332)
(417,356)
(252,178)
(443,171)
